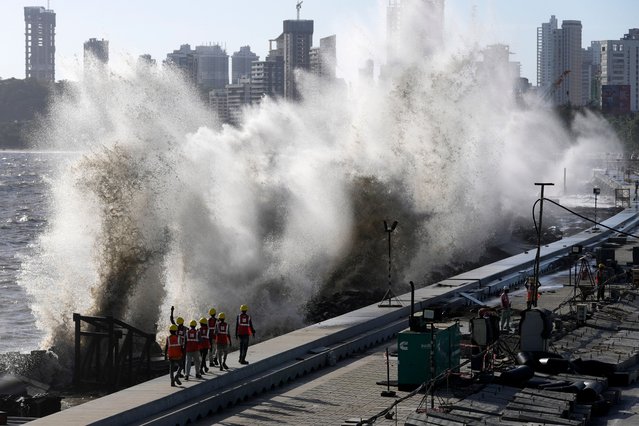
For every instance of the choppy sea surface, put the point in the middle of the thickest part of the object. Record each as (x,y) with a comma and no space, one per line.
(24,206)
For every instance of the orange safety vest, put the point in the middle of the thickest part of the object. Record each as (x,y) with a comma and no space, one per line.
(203,332)
(192,340)
(181,332)
(222,333)
(244,325)
(212,321)
(174,344)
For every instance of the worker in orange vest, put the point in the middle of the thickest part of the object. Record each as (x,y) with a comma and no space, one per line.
(192,350)
(222,340)
(205,344)
(505,310)
(600,281)
(530,290)
(181,332)
(243,330)
(212,354)
(173,352)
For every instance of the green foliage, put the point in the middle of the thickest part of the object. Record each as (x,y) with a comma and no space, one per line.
(627,129)
(20,102)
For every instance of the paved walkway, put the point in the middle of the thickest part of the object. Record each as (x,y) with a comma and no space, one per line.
(331,397)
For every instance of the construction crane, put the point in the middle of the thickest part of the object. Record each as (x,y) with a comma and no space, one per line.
(553,88)
(299,7)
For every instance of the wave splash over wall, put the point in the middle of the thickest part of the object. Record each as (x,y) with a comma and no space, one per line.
(158,204)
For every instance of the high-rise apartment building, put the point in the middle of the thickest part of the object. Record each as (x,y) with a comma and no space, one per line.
(559,61)
(497,64)
(267,78)
(297,40)
(241,62)
(414,29)
(546,48)
(183,60)
(205,66)
(211,67)
(324,58)
(620,70)
(39,35)
(570,59)
(96,50)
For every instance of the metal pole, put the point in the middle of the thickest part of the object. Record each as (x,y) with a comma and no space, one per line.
(596,211)
(389,257)
(535,293)
(432,366)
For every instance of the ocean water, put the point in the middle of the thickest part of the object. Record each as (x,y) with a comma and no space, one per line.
(24,207)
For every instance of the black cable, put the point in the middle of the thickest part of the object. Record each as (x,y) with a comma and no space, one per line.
(579,215)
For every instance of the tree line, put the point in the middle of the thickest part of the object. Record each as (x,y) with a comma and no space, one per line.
(21,102)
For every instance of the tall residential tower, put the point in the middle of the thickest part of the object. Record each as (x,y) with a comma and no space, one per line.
(39,33)
(559,62)
(241,62)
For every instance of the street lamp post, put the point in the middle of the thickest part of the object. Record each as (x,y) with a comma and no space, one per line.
(596,191)
(535,284)
(389,293)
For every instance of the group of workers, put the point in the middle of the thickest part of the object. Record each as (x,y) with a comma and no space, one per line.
(600,284)
(190,346)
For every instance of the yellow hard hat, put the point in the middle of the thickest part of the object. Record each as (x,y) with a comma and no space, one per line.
(212,312)
(601,266)
(193,323)
(221,315)
(173,327)
(243,308)
(204,321)
(180,320)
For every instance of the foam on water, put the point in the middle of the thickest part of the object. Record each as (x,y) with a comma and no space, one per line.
(163,206)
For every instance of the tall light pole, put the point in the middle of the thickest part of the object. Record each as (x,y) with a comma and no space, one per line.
(596,191)
(389,293)
(535,284)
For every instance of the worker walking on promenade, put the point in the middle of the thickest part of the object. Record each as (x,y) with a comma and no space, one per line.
(505,310)
(243,331)
(600,280)
(192,350)
(173,352)
(181,332)
(204,345)
(212,354)
(222,340)
(530,292)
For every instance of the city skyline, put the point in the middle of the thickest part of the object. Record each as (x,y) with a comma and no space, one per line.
(145,27)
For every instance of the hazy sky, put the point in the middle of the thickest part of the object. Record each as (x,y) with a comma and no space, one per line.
(134,27)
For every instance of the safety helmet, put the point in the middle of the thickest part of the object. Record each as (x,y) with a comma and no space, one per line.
(212,312)
(243,308)
(601,266)
(180,320)
(204,321)
(221,315)
(193,323)
(173,327)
